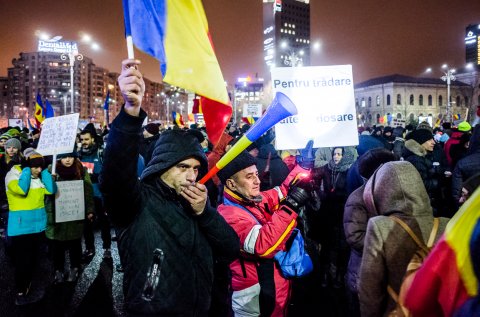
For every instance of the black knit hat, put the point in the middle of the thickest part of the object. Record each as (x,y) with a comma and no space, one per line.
(372,159)
(152,128)
(243,160)
(420,135)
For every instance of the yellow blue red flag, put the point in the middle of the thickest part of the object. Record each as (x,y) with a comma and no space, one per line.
(176,33)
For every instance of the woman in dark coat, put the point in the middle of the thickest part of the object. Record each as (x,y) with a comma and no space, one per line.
(333,194)
(67,236)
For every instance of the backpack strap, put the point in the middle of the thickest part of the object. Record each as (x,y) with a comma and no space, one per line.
(419,242)
(433,234)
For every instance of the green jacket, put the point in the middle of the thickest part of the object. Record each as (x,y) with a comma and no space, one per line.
(71,230)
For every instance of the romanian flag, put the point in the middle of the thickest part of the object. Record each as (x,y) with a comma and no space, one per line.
(176,33)
(30,125)
(39,111)
(447,279)
(248,120)
(177,119)
(49,112)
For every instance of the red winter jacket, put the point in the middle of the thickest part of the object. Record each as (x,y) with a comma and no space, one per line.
(260,238)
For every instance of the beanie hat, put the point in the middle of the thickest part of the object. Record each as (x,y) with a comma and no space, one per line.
(73,154)
(35,131)
(372,159)
(464,127)
(13,142)
(420,135)
(33,158)
(425,125)
(5,136)
(241,161)
(152,128)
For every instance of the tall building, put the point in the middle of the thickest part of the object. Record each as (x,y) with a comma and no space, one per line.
(472,44)
(404,99)
(286,33)
(248,91)
(47,74)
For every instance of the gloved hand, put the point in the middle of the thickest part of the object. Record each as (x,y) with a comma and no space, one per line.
(306,158)
(296,198)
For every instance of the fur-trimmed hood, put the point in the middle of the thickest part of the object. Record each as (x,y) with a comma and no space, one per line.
(415,148)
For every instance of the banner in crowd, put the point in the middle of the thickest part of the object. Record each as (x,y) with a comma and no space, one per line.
(252,110)
(15,123)
(58,135)
(69,201)
(325,101)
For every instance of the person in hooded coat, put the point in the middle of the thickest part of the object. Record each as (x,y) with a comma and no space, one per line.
(167,232)
(468,166)
(395,189)
(355,221)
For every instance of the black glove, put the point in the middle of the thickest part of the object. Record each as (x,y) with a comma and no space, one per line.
(306,158)
(296,198)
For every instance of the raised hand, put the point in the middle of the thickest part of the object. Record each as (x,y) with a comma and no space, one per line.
(132,86)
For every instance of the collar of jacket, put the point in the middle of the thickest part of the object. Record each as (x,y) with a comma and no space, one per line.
(238,198)
(165,190)
(415,147)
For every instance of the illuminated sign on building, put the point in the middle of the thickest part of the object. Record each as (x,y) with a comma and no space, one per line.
(472,44)
(56,46)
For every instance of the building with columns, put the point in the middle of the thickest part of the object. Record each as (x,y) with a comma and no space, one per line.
(404,99)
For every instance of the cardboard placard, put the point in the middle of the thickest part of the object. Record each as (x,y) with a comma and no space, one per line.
(69,201)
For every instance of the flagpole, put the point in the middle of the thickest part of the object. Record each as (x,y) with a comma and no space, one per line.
(131,55)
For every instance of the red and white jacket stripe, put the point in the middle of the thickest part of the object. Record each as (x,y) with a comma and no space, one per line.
(262,239)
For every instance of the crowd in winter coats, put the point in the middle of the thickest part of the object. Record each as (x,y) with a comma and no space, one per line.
(357,193)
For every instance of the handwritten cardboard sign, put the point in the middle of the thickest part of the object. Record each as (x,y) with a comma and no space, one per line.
(69,201)
(58,135)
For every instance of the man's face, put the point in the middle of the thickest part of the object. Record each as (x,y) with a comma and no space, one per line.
(36,171)
(11,151)
(183,174)
(245,182)
(428,145)
(86,140)
(2,143)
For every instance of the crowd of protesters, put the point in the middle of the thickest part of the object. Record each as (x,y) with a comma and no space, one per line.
(188,249)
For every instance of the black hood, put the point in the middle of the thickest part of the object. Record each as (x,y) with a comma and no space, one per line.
(174,146)
(475,141)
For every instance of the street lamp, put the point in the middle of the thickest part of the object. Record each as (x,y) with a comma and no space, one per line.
(448,77)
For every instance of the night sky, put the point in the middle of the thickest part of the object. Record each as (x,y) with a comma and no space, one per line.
(377,37)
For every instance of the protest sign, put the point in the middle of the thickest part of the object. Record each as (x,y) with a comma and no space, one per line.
(69,201)
(58,135)
(15,123)
(252,110)
(325,101)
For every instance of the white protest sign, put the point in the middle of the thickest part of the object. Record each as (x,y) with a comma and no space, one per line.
(58,135)
(252,110)
(15,123)
(325,102)
(69,201)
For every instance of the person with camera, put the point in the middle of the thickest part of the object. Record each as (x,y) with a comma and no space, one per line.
(264,222)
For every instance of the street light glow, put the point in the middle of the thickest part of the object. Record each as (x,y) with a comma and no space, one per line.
(86,38)
(428,70)
(95,46)
(316,45)
(284,44)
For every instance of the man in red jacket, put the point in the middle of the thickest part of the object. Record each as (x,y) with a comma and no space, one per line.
(263,222)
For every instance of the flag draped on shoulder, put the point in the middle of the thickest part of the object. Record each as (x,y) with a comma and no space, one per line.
(176,33)
(39,111)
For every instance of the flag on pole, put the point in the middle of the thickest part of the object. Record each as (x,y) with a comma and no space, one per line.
(49,112)
(30,125)
(105,109)
(39,111)
(176,33)
(177,118)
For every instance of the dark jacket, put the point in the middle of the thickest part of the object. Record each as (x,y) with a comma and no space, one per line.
(278,170)
(147,146)
(468,166)
(155,217)
(355,221)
